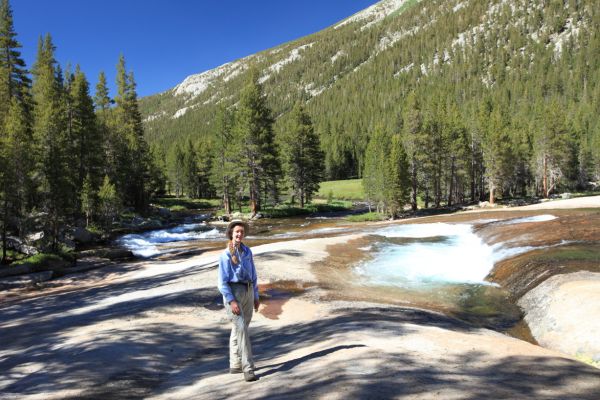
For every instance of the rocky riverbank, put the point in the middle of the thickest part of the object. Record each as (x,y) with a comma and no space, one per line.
(157,330)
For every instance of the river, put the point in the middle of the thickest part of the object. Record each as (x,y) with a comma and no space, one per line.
(444,263)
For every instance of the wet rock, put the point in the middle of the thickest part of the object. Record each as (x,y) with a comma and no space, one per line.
(151,224)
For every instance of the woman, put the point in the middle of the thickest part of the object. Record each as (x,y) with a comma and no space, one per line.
(237,284)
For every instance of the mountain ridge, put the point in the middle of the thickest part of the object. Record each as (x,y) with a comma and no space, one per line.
(355,75)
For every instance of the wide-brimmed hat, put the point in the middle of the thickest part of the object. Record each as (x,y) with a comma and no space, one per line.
(234,223)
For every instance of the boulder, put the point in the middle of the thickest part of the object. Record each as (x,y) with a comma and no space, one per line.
(82,235)
(563,313)
(151,224)
(35,237)
(18,245)
(164,212)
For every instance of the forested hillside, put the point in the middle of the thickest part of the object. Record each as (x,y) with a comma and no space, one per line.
(497,98)
(66,157)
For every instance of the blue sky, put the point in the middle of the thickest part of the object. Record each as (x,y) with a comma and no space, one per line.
(166,40)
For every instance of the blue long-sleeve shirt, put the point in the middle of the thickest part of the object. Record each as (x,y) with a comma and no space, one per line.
(245,271)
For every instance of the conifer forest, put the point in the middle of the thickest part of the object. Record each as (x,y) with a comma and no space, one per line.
(442,102)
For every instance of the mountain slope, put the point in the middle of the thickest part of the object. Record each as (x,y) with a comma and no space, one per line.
(355,75)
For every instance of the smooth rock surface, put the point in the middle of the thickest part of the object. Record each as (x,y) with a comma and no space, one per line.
(563,313)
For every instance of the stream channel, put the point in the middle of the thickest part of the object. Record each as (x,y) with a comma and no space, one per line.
(439,266)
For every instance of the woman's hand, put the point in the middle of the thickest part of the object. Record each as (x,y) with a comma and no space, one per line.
(256,304)
(235,308)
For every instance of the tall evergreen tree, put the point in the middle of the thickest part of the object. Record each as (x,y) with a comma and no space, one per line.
(303,156)
(15,127)
(375,171)
(226,170)
(254,127)
(190,170)
(496,148)
(56,180)
(398,186)
(14,81)
(413,142)
(16,165)
(110,140)
(132,155)
(176,161)
(86,137)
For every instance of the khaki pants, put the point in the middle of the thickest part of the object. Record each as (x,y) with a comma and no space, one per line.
(240,349)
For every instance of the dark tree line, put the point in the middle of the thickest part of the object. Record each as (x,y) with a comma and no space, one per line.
(65,155)
(500,98)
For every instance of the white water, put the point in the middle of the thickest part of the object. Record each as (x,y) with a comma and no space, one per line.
(144,244)
(536,218)
(452,254)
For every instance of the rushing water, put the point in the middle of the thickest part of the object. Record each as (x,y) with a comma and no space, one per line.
(416,255)
(440,265)
(146,244)
(200,234)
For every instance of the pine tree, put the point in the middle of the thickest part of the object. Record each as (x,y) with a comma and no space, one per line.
(86,137)
(551,147)
(14,81)
(176,161)
(87,199)
(56,181)
(204,167)
(190,170)
(226,170)
(375,170)
(158,167)
(496,149)
(132,153)
(15,127)
(109,202)
(254,128)
(110,139)
(398,178)
(455,140)
(303,156)
(413,142)
(16,165)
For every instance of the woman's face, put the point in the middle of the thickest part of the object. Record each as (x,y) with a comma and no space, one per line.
(237,234)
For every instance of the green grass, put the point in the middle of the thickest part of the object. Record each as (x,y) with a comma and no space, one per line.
(290,210)
(367,217)
(588,360)
(404,7)
(184,204)
(350,189)
(39,260)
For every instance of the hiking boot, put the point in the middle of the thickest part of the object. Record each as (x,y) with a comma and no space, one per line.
(236,370)
(249,376)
